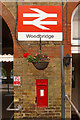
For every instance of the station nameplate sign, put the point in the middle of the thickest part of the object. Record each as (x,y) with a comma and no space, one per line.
(35,22)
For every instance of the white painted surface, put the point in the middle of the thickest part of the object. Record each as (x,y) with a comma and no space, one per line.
(75,26)
(6,58)
(41,92)
(35,36)
(75,49)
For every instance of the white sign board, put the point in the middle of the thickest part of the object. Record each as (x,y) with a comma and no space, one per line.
(17,81)
(35,22)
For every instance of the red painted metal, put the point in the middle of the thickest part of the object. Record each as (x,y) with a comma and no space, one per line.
(42,92)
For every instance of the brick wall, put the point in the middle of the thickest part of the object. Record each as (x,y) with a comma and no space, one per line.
(27,91)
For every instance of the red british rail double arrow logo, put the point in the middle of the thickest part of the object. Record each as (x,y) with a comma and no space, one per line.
(39,19)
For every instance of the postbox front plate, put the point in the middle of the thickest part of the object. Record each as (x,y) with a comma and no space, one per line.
(42,92)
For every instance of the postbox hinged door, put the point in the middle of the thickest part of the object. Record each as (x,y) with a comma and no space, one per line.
(42,92)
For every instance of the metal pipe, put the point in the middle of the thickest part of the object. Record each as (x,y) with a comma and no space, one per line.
(8,84)
(12,109)
(62,84)
(40,44)
(77,112)
(66,23)
(71,81)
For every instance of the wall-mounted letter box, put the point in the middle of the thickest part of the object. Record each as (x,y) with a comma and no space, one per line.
(42,92)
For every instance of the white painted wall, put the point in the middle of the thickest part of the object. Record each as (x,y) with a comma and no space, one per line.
(75,26)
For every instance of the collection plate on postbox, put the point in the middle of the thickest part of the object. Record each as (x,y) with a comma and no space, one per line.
(42,92)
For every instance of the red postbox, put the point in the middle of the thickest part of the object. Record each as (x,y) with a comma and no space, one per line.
(42,92)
